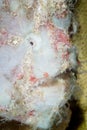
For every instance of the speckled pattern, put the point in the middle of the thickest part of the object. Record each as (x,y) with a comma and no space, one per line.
(80,40)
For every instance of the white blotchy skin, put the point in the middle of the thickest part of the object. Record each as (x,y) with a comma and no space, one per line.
(33,55)
(43,50)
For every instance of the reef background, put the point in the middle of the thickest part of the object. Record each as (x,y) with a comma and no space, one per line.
(79,122)
(79,107)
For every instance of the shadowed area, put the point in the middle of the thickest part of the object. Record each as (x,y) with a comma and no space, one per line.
(77,117)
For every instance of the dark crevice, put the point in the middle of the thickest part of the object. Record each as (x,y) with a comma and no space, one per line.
(77,117)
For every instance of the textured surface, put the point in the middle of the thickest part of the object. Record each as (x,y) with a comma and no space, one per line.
(33,95)
(81,42)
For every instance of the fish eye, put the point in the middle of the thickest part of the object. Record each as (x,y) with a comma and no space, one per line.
(31,43)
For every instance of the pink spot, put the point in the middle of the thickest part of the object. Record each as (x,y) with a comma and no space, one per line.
(65,55)
(57,36)
(3,35)
(46,75)
(61,36)
(2,108)
(3,32)
(31,113)
(33,79)
(17,72)
(1,43)
(20,76)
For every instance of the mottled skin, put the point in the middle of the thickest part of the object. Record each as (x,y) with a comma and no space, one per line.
(33,54)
